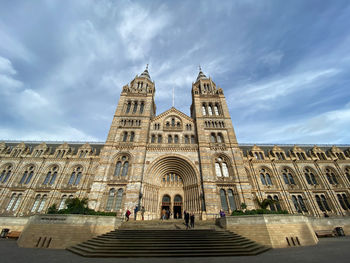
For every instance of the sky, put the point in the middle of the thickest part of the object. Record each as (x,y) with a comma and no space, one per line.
(283,65)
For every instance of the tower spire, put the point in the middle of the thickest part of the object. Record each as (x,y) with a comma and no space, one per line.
(201,74)
(145,73)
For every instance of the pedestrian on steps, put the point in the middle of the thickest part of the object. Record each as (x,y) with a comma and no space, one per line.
(143,212)
(136,209)
(192,220)
(163,214)
(187,219)
(127,214)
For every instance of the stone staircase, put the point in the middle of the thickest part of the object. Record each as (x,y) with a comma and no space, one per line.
(142,241)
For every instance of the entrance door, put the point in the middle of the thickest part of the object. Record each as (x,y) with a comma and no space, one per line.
(165,207)
(177,207)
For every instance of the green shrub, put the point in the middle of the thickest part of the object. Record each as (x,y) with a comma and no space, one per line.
(78,206)
(257,212)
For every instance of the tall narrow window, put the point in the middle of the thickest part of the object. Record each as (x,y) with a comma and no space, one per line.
(118,202)
(272,206)
(125,136)
(18,201)
(12,200)
(301,203)
(193,141)
(31,173)
(135,107)
(223,199)
(125,169)
(325,204)
(210,110)
(47,178)
(117,169)
(128,107)
(231,200)
(6,173)
(36,203)
(170,139)
(159,138)
(296,204)
(132,136)
(262,178)
(278,206)
(153,138)
(77,181)
(224,169)
(218,170)
(213,138)
(142,105)
(110,199)
(319,203)
(71,179)
(341,201)
(176,139)
(53,178)
(187,139)
(220,138)
(204,111)
(216,109)
(42,203)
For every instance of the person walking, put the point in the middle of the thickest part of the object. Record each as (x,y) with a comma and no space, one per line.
(143,212)
(187,219)
(136,209)
(127,214)
(163,214)
(192,220)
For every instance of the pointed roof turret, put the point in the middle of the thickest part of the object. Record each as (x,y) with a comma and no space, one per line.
(145,74)
(201,74)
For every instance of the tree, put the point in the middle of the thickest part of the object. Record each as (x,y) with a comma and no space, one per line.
(265,203)
(52,209)
(77,206)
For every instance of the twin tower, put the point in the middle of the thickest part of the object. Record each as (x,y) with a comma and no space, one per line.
(171,161)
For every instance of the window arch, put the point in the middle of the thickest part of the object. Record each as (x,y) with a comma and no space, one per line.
(220,138)
(6,173)
(39,203)
(213,137)
(14,202)
(265,177)
(119,199)
(288,177)
(75,176)
(122,166)
(322,203)
(331,176)
(110,199)
(216,109)
(27,175)
(231,200)
(132,136)
(310,176)
(128,107)
(51,176)
(204,110)
(125,136)
(221,167)
(343,201)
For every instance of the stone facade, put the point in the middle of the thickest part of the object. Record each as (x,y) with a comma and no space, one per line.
(173,161)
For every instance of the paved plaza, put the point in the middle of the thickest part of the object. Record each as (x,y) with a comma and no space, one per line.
(328,250)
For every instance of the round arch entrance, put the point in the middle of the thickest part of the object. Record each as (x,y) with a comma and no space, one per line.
(171,183)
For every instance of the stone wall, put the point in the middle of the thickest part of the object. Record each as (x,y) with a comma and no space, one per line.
(13,223)
(276,231)
(329,223)
(62,231)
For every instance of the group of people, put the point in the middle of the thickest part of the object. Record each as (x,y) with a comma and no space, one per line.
(136,210)
(189,218)
(165,214)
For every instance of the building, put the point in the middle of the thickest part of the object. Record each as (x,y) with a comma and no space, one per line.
(173,161)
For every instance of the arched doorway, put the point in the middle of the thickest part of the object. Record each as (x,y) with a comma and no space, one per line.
(177,178)
(166,203)
(177,207)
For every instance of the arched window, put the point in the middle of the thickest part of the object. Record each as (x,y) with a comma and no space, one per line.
(176,139)
(63,202)
(296,204)
(221,168)
(278,206)
(187,139)
(12,201)
(118,202)
(170,139)
(110,199)
(159,138)
(153,138)
(322,203)
(231,200)
(319,203)
(173,122)
(310,177)
(5,174)
(223,199)
(51,176)
(142,105)
(128,107)
(117,168)
(331,176)
(75,176)
(288,177)
(220,138)
(193,141)
(265,177)
(132,136)
(301,203)
(42,203)
(272,206)
(213,137)
(325,204)
(344,202)
(27,175)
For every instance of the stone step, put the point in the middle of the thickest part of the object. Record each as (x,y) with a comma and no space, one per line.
(171,243)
